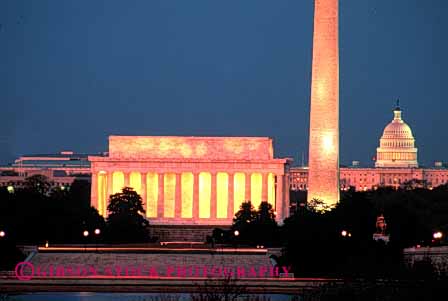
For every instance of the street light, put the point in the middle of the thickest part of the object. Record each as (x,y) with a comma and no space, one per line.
(10,189)
(345,233)
(236,233)
(437,235)
(85,234)
(97,233)
(2,234)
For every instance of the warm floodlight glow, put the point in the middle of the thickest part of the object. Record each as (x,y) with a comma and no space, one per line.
(135,181)
(239,190)
(437,235)
(117,181)
(169,193)
(205,182)
(222,194)
(158,147)
(271,189)
(323,176)
(152,194)
(187,180)
(256,182)
(327,143)
(102,193)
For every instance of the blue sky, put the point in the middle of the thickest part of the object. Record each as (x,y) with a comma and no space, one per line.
(74,72)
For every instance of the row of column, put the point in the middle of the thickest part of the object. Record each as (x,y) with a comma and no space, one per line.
(396,156)
(209,198)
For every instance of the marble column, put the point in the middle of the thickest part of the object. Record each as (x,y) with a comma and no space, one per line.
(213,198)
(286,196)
(126,178)
(178,197)
(160,200)
(109,192)
(230,209)
(264,187)
(196,196)
(110,184)
(247,187)
(94,190)
(143,189)
(279,198)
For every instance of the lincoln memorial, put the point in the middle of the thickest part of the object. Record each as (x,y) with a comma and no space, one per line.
(192,180)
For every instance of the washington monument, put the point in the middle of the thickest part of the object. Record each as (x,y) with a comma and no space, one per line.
(323,176)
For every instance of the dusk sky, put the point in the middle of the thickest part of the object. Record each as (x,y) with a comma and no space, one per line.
(74,72)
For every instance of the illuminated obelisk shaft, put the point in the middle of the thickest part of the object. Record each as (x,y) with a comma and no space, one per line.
(323,176)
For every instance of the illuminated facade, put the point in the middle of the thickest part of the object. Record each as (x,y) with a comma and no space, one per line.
(364,178)
(61,169)
(323,178)
(192,180)
(397,147)
(396,165)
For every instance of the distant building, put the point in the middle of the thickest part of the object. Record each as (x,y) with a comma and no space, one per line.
(396,164)
(60,169)
(397,147)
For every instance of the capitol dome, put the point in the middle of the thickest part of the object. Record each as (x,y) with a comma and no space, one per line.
(397,144)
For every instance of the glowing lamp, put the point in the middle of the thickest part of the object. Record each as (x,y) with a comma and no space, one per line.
(97,231)
(344,233)
(437,235)
(10,189)
(2,233)
(236,233)
(85,233)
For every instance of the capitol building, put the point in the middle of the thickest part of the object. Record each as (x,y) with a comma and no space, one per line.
(396,164)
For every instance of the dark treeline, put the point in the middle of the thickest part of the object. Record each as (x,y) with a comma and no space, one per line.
(311,240)
(313,243)
(37,213)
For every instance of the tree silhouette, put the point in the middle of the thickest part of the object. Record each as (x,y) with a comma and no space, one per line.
(242,222)
(37,184)
(255,226)
(126,222)
(265,227)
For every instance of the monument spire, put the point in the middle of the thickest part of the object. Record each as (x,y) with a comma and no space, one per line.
(323,176)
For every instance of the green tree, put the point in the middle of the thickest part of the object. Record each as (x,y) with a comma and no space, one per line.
(126,222)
